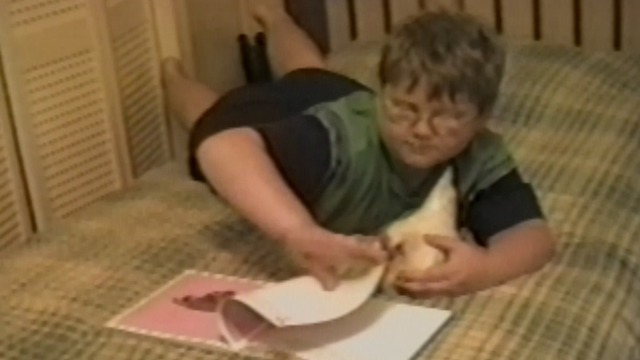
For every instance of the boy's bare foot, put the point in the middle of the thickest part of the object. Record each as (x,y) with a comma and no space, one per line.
(185,96)
(266,15)
(171,67)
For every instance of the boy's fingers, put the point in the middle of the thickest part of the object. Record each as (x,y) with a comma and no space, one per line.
(442,272)
(439,289)
(368,249)
(323,274)
(369,253)
(422,289)
(443,243)
(433,290)
(317,269)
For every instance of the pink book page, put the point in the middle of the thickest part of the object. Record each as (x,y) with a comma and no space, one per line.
(185,310)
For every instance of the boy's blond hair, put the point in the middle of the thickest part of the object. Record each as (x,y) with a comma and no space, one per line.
(453,53)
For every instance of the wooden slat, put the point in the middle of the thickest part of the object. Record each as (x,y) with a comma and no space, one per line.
(338,24)
(517,19)
(172,32)
(597,25)
(483,10)
(369,19)
(137,89)
(58,68)
(402,9)
(184,36)
(631,26)
(557,25)
(166,30)
(14,214)
(442,4)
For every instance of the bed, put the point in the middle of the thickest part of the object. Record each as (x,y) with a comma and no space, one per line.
(573,122)
(571,118)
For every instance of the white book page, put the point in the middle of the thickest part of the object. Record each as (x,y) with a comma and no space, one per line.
(379,330)
(303,301)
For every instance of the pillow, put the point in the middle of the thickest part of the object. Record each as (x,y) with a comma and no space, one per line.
(358,61)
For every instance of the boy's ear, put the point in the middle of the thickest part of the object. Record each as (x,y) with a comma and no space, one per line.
(491,122)
(485,120)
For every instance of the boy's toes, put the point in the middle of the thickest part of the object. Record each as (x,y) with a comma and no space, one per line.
(171,65)
(265,14)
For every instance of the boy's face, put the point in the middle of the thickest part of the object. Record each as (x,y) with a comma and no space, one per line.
(421,133)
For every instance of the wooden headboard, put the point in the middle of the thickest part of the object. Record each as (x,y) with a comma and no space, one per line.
(608,25)
(207,29)
(204,32)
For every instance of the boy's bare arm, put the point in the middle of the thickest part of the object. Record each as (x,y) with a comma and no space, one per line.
(238,165)
(469,268)
(522,249)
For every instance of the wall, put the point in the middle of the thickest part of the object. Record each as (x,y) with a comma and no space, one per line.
(85,98)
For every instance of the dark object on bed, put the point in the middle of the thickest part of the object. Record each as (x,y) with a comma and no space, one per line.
(255,62)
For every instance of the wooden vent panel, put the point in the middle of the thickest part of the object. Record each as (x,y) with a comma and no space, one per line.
(15,224)
(55,70)
(139,91)
(30,12)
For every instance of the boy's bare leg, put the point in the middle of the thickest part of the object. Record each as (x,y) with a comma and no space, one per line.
(188,99)
(288,46)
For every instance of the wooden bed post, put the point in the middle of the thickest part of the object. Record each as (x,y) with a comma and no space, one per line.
(172,31)
(173,39)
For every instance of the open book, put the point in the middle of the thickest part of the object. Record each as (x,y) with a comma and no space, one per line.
(265,318)
(298,316)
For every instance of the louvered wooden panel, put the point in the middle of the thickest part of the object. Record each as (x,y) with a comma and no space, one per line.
(62,105)
(14,219)
(135,62)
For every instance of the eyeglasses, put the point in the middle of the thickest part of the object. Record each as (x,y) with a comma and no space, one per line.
(448,123)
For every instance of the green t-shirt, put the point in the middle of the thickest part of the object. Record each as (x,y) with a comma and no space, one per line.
(362,192)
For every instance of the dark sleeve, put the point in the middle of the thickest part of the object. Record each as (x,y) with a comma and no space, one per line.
(505,203)
(300,148)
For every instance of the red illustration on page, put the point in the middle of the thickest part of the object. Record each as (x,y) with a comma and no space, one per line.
(185,309)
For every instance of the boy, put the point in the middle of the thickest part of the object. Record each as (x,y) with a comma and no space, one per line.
(315,159)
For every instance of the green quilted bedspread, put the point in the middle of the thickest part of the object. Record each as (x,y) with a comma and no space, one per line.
(573,122)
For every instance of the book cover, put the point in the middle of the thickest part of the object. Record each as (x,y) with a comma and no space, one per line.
(190,309)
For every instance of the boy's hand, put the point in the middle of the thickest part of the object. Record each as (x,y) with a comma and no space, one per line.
(467,269)
(325,254)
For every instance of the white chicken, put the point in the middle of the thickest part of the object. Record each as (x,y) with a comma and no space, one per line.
(405,236)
